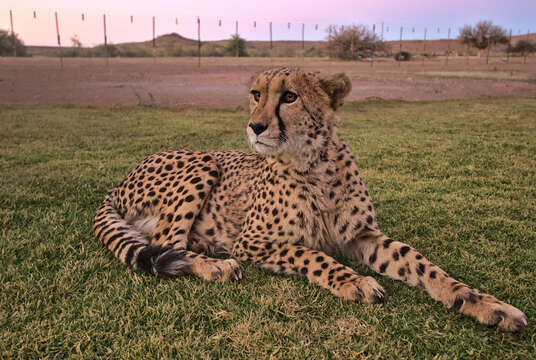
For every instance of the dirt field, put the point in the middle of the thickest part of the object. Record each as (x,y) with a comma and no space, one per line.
(222,82)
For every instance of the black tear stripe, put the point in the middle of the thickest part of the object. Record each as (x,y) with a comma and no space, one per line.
(281,124)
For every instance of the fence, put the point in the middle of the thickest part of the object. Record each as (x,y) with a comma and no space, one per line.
(295,39)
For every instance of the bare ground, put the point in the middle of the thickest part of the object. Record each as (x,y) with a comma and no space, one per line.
(222,82)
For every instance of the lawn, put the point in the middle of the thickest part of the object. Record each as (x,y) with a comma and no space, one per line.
(455,179)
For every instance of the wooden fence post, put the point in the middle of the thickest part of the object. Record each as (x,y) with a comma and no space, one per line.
(59,40)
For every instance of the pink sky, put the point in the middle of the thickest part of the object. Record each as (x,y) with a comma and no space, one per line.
(433,14)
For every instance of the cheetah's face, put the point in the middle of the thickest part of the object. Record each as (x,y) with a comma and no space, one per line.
(292,112)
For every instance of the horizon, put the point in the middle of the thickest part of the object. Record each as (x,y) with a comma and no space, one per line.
(253,20)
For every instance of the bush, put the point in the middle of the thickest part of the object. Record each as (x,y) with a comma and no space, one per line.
(73,52)
(352,43)
(190,52)
(6,44)
(403,56)
(259,52)
(284,52)
(134,51)
(236,46)
(314,52)
(523,47)
(210,50)
(483,35)
(104,51)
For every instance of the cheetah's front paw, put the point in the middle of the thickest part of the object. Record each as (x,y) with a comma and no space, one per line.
(503,315)
(490,311)
(364,289)
(222,270)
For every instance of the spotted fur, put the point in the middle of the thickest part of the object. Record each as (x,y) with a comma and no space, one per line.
(289,207)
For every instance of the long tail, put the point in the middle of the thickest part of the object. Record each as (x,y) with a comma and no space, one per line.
(131,246)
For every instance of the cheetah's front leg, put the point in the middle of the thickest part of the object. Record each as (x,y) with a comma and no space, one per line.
(319,268)
(401,262)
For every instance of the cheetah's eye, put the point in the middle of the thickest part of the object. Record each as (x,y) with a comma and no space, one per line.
(289,97)
(256,95)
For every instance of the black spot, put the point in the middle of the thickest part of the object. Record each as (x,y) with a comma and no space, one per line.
(299,253)
(303,270)
(432,275)
(317,272)
(387,242)
(383,266)
(372,258)
(189,215)
(401,271)
(395,255)
(210,232)
(206,158)
(404,250)
(319,259)
(420,269)
(168,167)
(369,219)
(189,198)
(457,304)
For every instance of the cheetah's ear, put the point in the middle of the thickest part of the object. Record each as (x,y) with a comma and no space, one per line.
(337,87)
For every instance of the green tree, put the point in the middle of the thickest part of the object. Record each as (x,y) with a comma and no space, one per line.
(352,42)
(236,47)
(524,47)
(483,36)
(6,44)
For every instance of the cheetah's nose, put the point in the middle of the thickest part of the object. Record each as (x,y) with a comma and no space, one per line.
(258,128)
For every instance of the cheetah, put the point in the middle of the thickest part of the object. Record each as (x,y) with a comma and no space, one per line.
(290,207)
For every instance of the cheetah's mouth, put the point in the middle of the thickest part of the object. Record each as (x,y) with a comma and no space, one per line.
(264,148)
(261,143)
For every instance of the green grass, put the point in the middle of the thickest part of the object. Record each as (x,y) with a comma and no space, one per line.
(455,179)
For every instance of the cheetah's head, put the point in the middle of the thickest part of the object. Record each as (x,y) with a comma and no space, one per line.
(292,112)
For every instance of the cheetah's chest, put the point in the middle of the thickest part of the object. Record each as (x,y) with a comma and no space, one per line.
(296,210)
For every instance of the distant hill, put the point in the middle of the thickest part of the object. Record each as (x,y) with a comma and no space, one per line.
(177,45)
(164,41)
